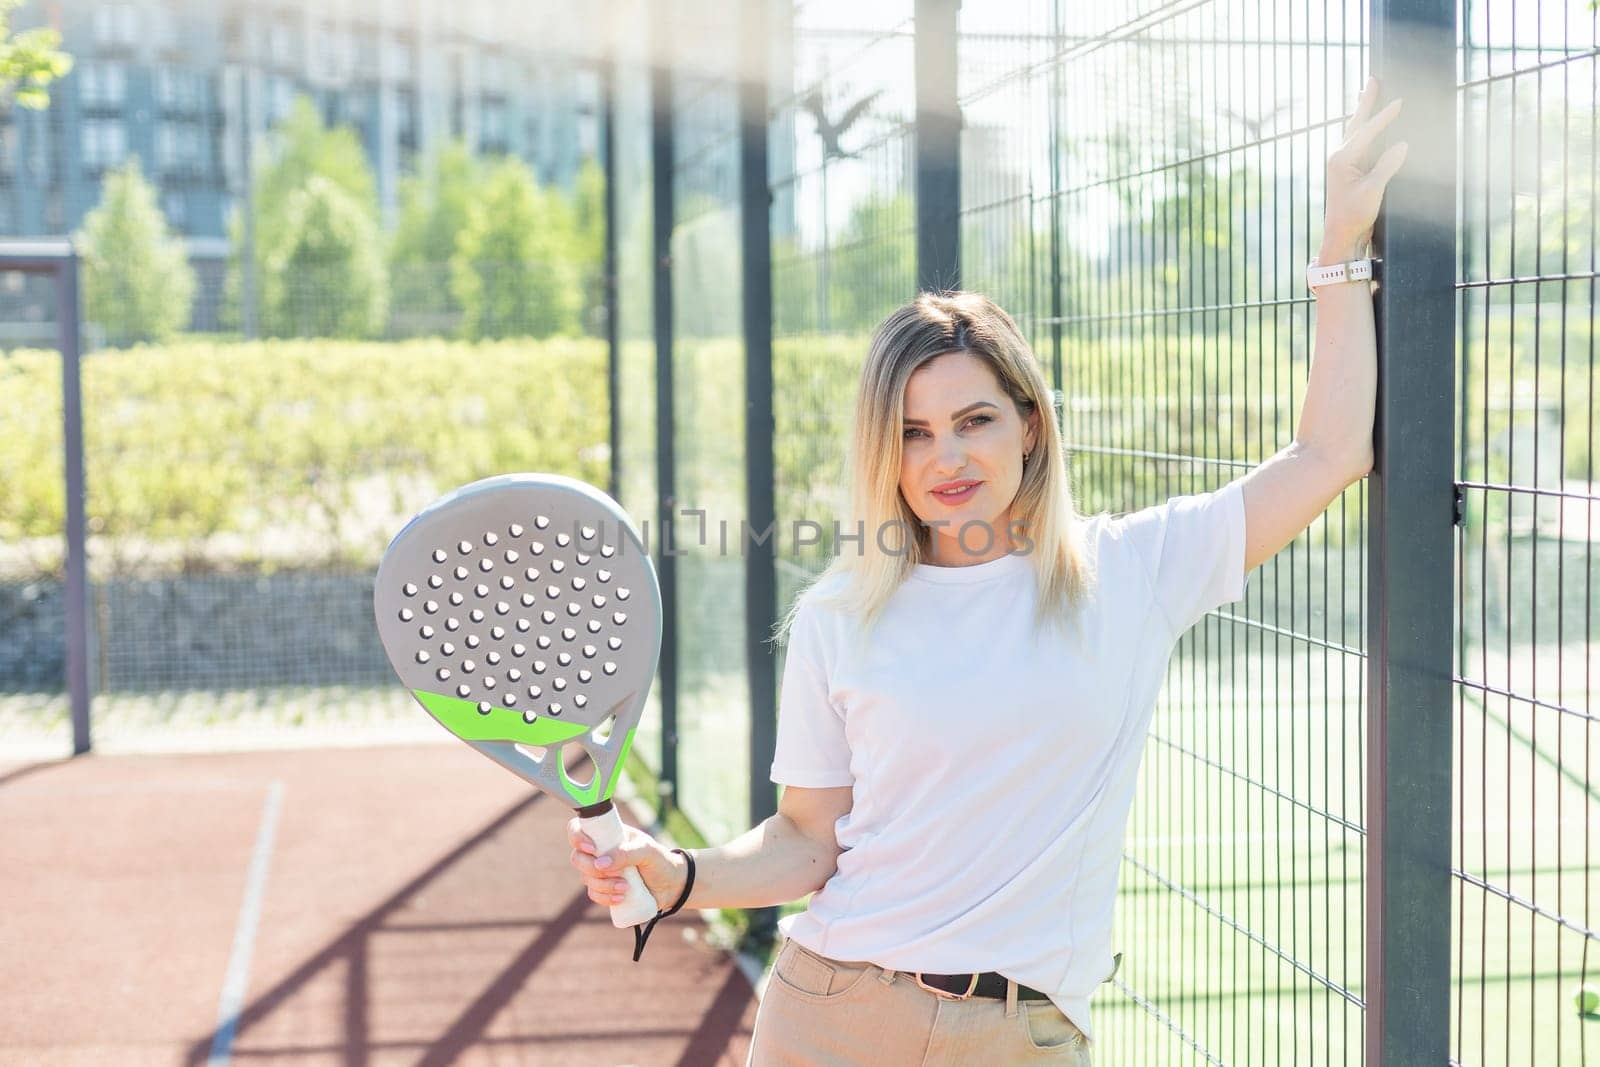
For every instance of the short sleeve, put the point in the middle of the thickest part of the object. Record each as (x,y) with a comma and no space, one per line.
(811,749)
(1192,547)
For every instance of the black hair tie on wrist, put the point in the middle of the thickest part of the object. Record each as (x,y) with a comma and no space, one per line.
(642,933)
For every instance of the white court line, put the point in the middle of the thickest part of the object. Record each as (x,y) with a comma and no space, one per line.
(237,979)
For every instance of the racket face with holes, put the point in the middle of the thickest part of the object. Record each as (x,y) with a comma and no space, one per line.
(523,613)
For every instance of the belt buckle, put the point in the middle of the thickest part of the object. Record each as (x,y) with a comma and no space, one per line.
(972,987)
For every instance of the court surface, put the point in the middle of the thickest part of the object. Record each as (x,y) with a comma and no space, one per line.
(388,905)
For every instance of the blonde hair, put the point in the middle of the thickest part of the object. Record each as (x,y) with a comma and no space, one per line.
(931,325)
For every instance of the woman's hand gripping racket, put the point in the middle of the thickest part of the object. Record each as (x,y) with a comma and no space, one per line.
(523,613)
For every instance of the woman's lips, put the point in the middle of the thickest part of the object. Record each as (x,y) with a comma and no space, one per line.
(957,498)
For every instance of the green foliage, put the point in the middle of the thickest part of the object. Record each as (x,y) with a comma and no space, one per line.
(310,452)
(137,281)
(32,500)
(435,207)
(589,242)
(706,269)
(869,269)
(29,61)
(814,380)
(873,267)
(301,148)
(326,276)
(794,289)
(513,271)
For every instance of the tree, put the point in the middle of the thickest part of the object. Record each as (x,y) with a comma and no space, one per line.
(326,278)
(29,61)
(512,270)
(707,269)
(434,209)
(137,281)
(873,268)
(589,242)
(300,148)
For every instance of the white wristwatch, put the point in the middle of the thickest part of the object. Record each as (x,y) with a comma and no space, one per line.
(1359,270)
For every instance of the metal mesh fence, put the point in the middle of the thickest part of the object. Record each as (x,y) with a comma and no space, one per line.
(708,421)
(633,225)
(1526,932)
(239,495)
(240,490)
(269,397)
(1139,189)
(33,617)
(843,245)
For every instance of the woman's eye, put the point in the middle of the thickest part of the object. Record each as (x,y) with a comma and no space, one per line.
(975,420)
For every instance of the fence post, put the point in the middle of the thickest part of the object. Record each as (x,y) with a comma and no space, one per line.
(760,569)
(608,150)
(77,590)
(1412,493)
(938,138)
(662,152)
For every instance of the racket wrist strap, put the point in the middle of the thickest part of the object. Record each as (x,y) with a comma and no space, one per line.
(641,933)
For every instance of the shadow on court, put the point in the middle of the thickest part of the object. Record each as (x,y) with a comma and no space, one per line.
(391,905)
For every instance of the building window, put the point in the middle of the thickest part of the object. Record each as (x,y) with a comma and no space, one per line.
(116,24)
(399,58)
(280,44)
(366,52)
(494,121)
(162,29)
(175,206)
(405,122)
(105,142)
(280,96)
(102,84)
(180,147)
(326,45)
(178,89)
(493,72)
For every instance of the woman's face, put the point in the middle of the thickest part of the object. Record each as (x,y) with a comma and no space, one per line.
(961,429)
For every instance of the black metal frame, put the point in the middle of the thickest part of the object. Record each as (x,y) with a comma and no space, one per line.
(59,261)
(1411,540)
(760,571)
(1411,487)
(938,146)
(607,69)
(662,151)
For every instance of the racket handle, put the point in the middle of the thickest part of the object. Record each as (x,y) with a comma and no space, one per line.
(638,905)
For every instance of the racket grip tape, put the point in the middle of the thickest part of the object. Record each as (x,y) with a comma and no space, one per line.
(638,904)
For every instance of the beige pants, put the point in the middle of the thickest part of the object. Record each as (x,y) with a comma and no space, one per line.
(821,1012)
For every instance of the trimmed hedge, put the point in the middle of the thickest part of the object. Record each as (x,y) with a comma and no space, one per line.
(191,440)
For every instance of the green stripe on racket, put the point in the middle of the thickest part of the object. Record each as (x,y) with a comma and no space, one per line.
(523,613)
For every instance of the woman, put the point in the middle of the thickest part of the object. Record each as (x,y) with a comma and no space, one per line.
(966,695)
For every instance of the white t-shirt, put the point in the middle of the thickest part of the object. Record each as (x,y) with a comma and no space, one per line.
(993,768)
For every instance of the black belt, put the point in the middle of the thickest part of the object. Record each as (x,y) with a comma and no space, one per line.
(963,986)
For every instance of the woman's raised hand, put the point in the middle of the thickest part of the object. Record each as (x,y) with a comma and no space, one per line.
(1355,183)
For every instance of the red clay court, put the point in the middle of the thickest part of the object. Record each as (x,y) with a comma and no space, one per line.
(354,906)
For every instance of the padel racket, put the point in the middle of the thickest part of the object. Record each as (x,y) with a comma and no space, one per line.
(523,613)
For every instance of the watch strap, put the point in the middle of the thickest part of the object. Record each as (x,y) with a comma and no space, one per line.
(1358,270)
